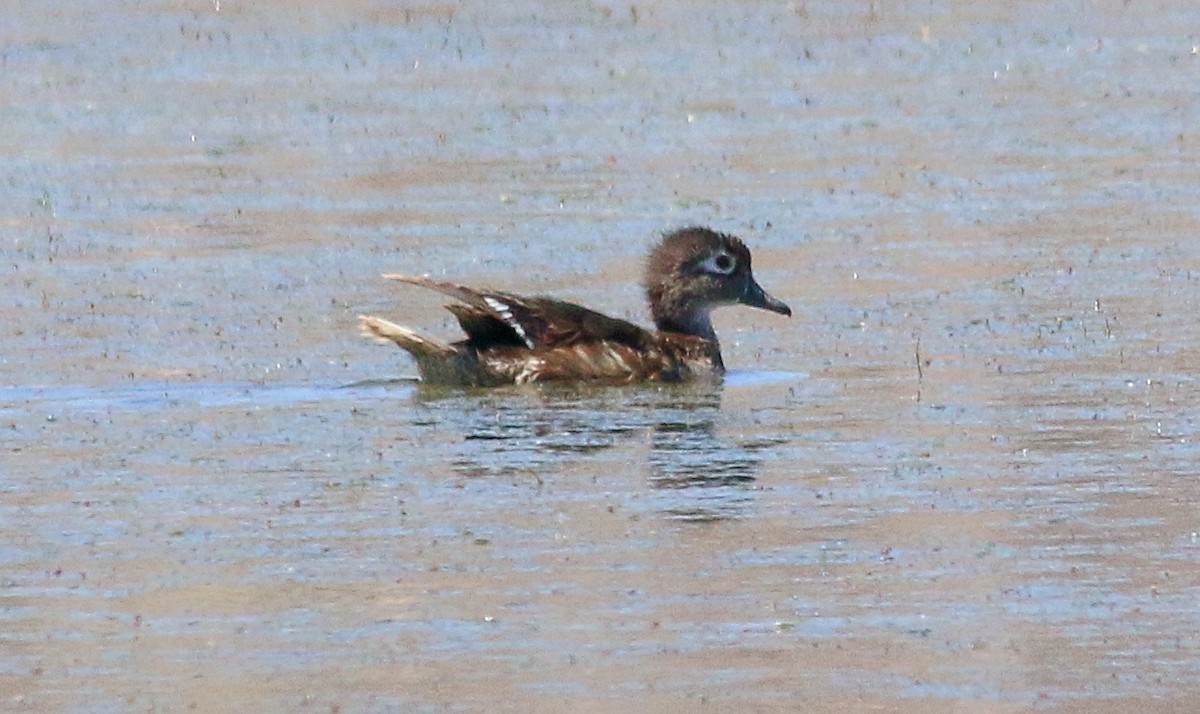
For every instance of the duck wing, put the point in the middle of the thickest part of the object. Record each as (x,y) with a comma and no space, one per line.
(492,318)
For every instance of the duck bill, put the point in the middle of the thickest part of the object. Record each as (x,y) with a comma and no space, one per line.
(755,296)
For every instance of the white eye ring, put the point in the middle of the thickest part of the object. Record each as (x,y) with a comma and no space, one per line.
(721,263)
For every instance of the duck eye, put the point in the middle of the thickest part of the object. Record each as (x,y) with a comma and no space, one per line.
(720,264)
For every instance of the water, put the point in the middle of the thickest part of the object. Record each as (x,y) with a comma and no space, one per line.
(961,477)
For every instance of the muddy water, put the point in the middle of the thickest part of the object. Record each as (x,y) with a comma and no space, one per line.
(962,477)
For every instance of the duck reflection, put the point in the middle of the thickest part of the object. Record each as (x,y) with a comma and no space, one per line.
(713,478)
(543,432)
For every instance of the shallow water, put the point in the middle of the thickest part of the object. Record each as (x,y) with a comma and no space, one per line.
(963,476)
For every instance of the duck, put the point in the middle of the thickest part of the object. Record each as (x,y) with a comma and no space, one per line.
(513,339)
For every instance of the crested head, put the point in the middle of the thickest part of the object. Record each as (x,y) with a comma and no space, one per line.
(695,269)
(678,248)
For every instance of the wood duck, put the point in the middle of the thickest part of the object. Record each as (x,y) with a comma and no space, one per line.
(514,339)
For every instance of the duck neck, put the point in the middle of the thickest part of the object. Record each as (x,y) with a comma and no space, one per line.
(694,324)
(697,323)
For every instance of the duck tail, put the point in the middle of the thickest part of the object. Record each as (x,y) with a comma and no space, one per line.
(418,345)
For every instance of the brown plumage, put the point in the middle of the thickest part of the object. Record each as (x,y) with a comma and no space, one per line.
(515,339)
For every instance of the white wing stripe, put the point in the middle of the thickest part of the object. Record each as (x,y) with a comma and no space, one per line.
(504,312)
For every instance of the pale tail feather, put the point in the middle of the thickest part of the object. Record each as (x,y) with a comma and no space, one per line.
(419,345)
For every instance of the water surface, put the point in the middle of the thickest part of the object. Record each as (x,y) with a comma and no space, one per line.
(962,477)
